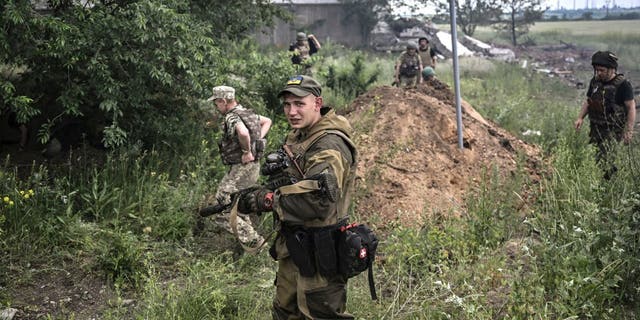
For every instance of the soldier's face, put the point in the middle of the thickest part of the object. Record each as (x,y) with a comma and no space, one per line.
(302,112)
(423,43)
(221,104)
(604,73)
(411,51)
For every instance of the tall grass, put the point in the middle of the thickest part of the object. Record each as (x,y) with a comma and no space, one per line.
(566,247)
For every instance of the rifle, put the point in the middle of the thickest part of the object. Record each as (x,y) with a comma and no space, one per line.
(221,207)
(274,167)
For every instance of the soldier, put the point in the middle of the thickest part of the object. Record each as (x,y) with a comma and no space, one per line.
(241,147)
(427,53)
(428,73)
(408,67)
(310,210)
(302,50)
(609,105)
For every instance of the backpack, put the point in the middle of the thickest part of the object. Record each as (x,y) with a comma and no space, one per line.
(357,246)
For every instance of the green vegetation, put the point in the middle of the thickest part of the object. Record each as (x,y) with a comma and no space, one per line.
(562,247)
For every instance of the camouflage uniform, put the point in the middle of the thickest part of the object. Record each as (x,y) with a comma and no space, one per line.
(309,209)
(409,69)
(316,296)
(302,50)
(240,176)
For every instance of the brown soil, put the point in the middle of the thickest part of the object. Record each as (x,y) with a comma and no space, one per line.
(410,163)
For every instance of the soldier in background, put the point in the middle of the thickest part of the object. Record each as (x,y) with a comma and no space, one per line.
(427,53)
(241,147)
(408,67)
(302,50)
(610,107)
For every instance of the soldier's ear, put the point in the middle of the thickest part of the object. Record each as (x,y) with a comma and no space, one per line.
(319,102)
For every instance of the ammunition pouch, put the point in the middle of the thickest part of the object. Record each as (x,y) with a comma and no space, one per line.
(300,246)
(409,70)
(313,250)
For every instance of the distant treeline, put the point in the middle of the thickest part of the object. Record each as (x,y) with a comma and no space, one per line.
(595,14)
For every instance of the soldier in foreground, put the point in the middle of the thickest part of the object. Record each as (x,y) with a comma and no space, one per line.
(311,209)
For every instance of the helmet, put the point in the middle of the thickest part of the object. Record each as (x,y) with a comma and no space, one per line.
(412,45)
(428,72)
(605,58)
(301,36)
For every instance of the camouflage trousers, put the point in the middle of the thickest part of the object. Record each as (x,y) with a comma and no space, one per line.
(408,82)
(240,176)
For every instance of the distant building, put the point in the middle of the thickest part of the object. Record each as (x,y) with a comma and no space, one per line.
(326,19)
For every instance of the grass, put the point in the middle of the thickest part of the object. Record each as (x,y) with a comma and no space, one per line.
(572,254)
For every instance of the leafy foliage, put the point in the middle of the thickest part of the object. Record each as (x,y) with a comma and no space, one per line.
(367,13)
(135,70)
(521,14)
(472,13)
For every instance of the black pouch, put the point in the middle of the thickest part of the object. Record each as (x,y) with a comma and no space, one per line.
(325,250)
(300,246)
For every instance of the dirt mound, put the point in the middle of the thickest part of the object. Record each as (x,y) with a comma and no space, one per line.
(410,164)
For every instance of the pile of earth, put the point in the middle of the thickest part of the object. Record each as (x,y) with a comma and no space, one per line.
(410,163)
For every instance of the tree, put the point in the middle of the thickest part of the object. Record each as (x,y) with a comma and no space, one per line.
(139,67)
(367,13)
(472,13)
(520,15)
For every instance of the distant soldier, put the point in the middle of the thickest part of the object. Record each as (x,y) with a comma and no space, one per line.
(428,74)
(408,67)
(302,50)
(609,105)
(427,53)
(241,147)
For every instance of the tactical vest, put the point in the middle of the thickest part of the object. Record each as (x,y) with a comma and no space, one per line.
(229,145)
(425,56)
(409,65)
(299,150)
(603,108)
(304,51)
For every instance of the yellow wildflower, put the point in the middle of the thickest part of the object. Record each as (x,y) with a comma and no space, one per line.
(146,230)
(26,196)
(21,192)
(10,203)
(31,192)
(6,199)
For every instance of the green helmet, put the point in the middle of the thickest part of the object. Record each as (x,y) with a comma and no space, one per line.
(428,72)
(412,45)
(301,36)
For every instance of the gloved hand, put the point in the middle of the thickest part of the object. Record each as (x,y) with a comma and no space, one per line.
(257,201)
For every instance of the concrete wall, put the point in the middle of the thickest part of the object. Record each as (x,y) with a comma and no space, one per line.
(325,21)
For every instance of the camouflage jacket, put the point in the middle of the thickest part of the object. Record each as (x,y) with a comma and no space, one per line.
(409,64)
(324,148)
(229,145)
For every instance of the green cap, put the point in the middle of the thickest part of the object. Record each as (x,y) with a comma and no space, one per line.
(302,86)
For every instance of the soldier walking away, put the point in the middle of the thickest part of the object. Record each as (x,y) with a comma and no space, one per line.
(302,50)
(610,107)
(241,147)
(408,67)
(310,211)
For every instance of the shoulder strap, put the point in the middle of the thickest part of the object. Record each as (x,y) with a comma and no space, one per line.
(302,147)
